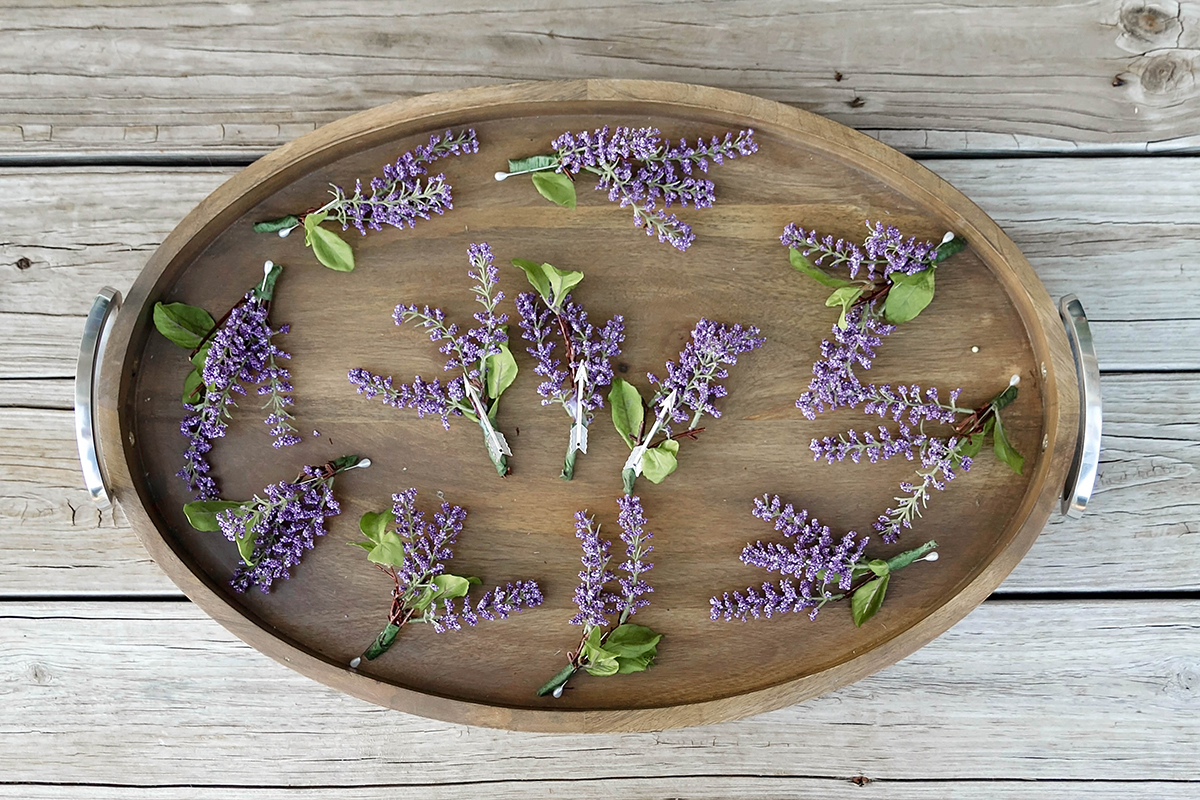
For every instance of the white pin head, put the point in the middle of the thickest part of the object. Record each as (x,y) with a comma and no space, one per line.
(558,690)
(949,235)
(1014,380)
(267,265)
(500,176)
(354,662)
(283,232)
(931,557)
(366,462)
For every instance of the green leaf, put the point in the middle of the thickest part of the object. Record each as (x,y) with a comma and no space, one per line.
(813,271)
(246,539)
(555,187)
(908,296)
(192,384)
(896,563)
(973,446)
(184,325)
(201,355)
(501,371)
(368,546)
(536,275)
(632,641)
(604,667)
(532,163)
(844,297)
(444,586)
(628,478)
(330,249)
(388,551)
(374,524)
(879,567)
(1004,449)
(273,225)
(867,599)
(561,283)
(635,664)
(202,514)
(382,642)
(659,462)
(947,249)
(627,410)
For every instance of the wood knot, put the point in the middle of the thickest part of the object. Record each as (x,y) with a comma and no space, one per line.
(1144,27)
(860,780)
(857,102)
(40,675)
(24,263)
(1166,73)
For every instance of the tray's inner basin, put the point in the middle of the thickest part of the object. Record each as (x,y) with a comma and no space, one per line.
(521,527)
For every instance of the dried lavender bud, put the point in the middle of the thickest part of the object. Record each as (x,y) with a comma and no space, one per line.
(644,172)
(884,251)
(399,198)
(594,601)
(240,353)
(940,459)
(692,381)
(480,355)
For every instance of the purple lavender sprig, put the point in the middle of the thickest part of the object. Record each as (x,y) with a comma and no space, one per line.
(398,198)
(610,646)
(549,317)
(273,532)
(817,568)
(639,170)
(413,552)
(687,393)
(480,355)
(240,353)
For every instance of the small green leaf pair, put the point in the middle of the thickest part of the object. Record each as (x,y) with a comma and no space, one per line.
(552,283)
(628,416)
(868,598)
(628,648)
(188,327)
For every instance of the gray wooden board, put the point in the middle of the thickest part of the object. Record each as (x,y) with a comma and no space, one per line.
(189,77)
(156,693)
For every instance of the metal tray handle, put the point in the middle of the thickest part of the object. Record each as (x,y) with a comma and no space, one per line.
(1085,464)
(91,349)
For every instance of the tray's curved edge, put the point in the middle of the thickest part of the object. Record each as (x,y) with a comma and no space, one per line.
(1051,351)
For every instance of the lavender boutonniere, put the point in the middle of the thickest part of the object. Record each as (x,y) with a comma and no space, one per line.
(272,532)
(412,551)
(941,457)
(550,316)
(685,396)
(639,169)
(607,649)
(227,356)
(480,355)
(399,198)
(826,569)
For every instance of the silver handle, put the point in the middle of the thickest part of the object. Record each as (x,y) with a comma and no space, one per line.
(91,349)
(1085,464)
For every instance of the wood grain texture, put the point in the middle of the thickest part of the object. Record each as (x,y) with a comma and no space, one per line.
(1089,226)
(156,78)
(1144,513)
(1100,691)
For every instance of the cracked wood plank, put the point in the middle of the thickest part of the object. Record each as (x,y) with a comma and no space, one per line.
(1145,514)
(1035,691)
(191,78)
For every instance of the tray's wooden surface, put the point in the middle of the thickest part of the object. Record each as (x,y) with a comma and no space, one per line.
(807,170)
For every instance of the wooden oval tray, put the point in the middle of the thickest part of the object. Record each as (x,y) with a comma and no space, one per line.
(808,170)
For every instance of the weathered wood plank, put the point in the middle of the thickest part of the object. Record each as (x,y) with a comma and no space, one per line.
(649,787)
(1030,690)
(139,77)
(1146,512)
(1117,232)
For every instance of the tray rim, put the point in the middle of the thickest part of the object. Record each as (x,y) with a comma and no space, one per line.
(254,183)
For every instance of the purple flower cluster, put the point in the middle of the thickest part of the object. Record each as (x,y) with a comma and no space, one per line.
(466,351)
(587,345)
(691,383)
(495,604)
(595,602)
(284,525)
(241,352)
(941,459)
(427,547)
(884,251)
(834,384)
(818,561)
(641,170)
(399,198)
